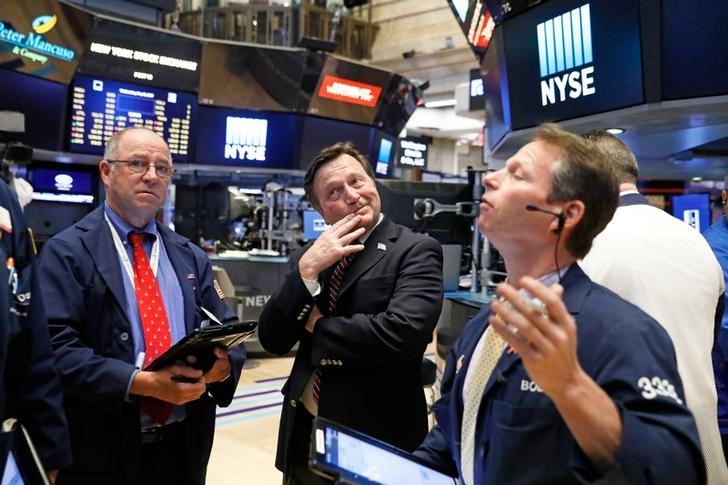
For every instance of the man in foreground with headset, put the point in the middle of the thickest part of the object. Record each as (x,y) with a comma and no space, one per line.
(560,381)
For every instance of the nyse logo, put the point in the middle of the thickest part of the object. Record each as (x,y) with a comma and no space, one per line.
(564,44)
(246,138)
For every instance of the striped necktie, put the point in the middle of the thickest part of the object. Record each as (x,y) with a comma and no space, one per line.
(153,317)
(337,278)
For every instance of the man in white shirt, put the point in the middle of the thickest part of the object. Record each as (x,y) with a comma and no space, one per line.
(665,267)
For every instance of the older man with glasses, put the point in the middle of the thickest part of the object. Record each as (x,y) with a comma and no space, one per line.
(120,289)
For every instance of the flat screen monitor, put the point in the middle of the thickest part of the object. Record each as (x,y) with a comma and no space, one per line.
(245,138)
(566,60)
(252,77)
(476,22)
(42,102)
(383,159)
(349,91)
(477,91)
(693,209)
(398,102)
(313,224)
(694,38)
(412,152)
(134,53)
(100,107)
(495,88)
(63,184)
(44,38)
(318,133)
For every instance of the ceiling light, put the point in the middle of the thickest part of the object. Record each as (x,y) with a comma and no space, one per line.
(615,131)
(697,179)
(442,103)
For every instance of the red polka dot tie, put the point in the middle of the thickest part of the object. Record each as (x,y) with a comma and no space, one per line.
(155,325)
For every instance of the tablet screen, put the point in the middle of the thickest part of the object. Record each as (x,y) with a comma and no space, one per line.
(11,474)
(365,461)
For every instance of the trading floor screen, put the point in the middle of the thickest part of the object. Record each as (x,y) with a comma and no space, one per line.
(101,107)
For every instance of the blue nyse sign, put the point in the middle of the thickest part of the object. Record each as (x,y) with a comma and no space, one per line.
(565,61)
(564,43)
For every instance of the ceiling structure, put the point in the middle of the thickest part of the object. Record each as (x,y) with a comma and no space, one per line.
(421,40)
(672,140)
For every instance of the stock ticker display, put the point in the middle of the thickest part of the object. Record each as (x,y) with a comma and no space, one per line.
(100,107)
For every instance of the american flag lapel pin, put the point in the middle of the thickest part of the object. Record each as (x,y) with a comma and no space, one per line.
(191,276)
(381,247)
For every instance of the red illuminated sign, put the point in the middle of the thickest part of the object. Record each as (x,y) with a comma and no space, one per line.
(481,30)
(348,91)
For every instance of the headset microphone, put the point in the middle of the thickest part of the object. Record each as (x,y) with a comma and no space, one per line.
(559,215)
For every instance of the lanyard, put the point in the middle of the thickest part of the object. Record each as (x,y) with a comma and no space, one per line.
(154,262)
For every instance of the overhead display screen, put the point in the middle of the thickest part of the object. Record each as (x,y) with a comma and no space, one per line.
(100,107)
(398,101)
(251,77)
(133,53)
(381,158)
(40,101)
(476,22)
(348,91)
(476,91)
(694,40)
(572,60)
(318,133)
(412,152)
(43,38)
(245,138)
(495,89)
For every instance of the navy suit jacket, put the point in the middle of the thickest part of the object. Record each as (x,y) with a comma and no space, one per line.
(521,436)
(83,289)
(30,390)
(370,350)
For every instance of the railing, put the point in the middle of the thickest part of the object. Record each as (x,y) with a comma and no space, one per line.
(280,25)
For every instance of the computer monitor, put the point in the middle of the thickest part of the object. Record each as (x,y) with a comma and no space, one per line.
(693,209)
(313,224)
(247,138)
(102,107)
(62,185)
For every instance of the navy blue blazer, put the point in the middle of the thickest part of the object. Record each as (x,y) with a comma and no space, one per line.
(30,389)
(521,436)
(91,336)
(370,349)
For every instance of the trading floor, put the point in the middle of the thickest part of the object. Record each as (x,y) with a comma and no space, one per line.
(247,431)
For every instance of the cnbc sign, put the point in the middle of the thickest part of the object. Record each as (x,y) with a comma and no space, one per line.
(32,44)
(565,56)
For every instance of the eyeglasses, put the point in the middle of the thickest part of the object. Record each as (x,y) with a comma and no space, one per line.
(164,170)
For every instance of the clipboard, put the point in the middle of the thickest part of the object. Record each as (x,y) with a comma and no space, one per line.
(21,464)
(201,341)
